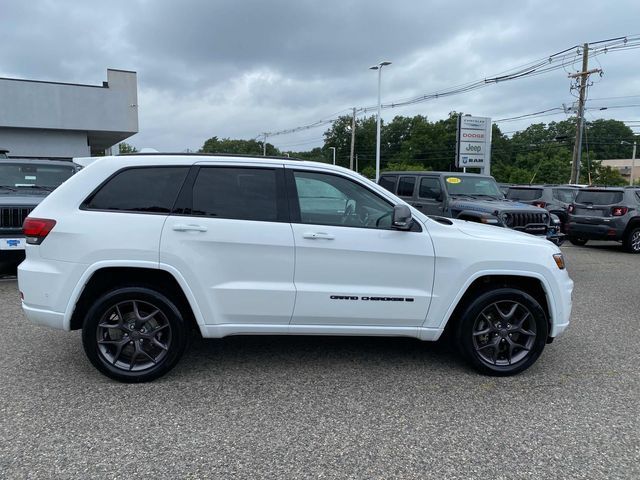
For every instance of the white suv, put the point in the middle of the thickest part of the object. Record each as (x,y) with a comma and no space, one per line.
(137,250)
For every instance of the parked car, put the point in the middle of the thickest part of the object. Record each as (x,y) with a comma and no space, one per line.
(135,250)
(554,198)
(606,214)
(473,197)
(24,183)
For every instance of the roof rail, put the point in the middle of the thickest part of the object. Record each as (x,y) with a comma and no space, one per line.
(196,154)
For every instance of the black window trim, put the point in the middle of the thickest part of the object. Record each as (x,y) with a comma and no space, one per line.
(294,206)
(83,205)
(183,206)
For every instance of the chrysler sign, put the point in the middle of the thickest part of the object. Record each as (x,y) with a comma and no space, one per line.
(473,145)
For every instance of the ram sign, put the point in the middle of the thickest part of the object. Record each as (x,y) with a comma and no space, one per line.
(473,146)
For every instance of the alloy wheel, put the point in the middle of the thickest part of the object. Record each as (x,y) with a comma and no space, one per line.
(133,335)
(504,333)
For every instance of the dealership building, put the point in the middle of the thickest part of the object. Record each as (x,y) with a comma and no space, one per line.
(64,120)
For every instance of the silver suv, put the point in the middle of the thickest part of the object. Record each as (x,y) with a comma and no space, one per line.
(606,214)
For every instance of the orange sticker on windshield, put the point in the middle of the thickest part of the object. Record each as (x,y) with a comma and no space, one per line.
(453,180)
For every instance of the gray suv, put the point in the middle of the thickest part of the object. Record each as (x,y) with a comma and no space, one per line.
(469,196)
(24,183)
(607,213)
(553,198)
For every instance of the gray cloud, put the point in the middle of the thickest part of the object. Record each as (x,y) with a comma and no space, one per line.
(239,68)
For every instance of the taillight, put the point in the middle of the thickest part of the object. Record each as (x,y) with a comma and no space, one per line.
(540,204)
(571,208)
(37,229)
(619,211)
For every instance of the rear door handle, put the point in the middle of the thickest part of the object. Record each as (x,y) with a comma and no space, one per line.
(181,227)
(318,235)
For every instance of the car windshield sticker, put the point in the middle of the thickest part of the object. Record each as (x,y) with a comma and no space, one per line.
(453,180)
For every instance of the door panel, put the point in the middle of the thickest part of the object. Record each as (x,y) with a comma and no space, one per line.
(430,196)
(357,275)
(241,271)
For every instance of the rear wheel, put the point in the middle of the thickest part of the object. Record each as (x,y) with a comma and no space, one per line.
(134,334)
(578,241)
(632,240)
(502,332)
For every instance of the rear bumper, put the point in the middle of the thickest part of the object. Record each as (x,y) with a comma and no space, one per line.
(594,231)
(45,318)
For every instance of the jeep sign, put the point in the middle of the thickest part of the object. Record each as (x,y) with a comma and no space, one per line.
(473,145)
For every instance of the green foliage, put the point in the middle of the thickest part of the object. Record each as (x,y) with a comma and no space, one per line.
(243,147)
(127,148)
(541,153)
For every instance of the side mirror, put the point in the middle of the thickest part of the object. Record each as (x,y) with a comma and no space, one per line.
(401,219)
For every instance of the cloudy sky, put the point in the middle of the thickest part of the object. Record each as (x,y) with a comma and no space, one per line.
(238,68)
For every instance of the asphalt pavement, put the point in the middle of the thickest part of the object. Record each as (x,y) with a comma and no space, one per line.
(317,407)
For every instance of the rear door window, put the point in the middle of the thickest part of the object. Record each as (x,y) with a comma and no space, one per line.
(599,197)
(238,193)
(524,194)
(406,185)
(139,189)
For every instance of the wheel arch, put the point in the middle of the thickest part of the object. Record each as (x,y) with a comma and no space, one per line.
(105,278)
(531,283)
(633,223)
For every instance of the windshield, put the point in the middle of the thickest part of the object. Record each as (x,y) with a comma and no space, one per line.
(25,175)
(525,194)
(473,186)
(599,197)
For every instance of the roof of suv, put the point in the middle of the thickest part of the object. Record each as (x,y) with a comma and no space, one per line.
(428,172)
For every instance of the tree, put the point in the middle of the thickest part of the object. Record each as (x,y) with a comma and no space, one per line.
(127,148)
(242,147)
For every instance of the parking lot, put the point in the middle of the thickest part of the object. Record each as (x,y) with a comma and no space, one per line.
(285,407)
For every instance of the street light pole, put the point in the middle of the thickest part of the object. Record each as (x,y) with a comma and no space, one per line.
(334,154)
(379,68)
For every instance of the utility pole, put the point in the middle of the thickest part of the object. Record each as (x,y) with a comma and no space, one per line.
(356,163)
(353,138)
(584,77)
(264,145)
(633,163)
(334,154)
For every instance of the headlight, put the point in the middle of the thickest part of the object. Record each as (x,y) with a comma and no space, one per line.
(555,219)
(559,258)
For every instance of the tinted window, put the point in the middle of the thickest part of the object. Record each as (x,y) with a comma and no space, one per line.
(388,182)
(599,197)
(526,194)
(565,195)
(430,187)
(140,190)
(236,193)
(333,200)
(406,186)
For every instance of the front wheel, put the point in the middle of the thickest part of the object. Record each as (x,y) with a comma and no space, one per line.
(632,241)
(502,332)
(578,241)
(134,334)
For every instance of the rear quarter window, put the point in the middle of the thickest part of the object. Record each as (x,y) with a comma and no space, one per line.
(599,197)
(139,189)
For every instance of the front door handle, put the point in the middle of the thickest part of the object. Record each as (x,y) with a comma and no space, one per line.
(181,227)
(318,235)
(418,205)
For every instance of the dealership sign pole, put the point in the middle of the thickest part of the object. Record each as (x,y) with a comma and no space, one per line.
(473,143)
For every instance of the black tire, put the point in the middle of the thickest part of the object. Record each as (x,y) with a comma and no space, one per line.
(631,240)
(581,242)
(134,334)
(500,346)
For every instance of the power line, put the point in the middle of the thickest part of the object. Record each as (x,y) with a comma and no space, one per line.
(540,66)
